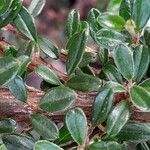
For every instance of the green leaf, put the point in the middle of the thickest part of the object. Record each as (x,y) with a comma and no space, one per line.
(114,5)
(115,22)
(143,146)
(140,98)
(18,142)
(46,145)
(8,69)
(18,89)
(135,132)
(84,83)
(77,125)
(25,24)
(76,47)
(102,106)
(7,126)
(2,147)
(47,47)
(146,85)
(36,7)
(108,38)
(141,13)
(147,36)
(4,6)
(112,73)
(47,74)
(44,126)
(11,13)
(73,23)
(126,9)
(105,146)
(64,136)
(57,99)
(115,86)
(117,119)
(141,62)
(124,61)
(103,55)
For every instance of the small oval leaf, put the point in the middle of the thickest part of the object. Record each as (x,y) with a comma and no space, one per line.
(84,83)
(77,125)
(44,126)
(46,145)
(140,98)
(57,99)
(124,61)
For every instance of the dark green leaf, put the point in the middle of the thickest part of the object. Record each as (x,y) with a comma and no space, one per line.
(36,7)
(126,9)
(135,132)
(84,83)
(25,24)
(112,73)
(105,146)
(141,62)
(103,55)
(18,142)
(124,61)
(44,126)
(108,38)
(18,89)
(102,106)
(10,51)
(5,5)
(7,126)
(111,21)
(50,49)
(46,145)
(147,36)
(141,12)
(47,74)
(146,85)
(57,99)
(140,98)
(11,13)
(117,118)
(77,125)
(73,23)
(8,69)
(143,146)
(76,47)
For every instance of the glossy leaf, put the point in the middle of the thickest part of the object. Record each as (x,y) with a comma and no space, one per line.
(108,38)
(135,132)
(140,98)
(25,24)
(46,145)
(5,5)
(114,5)
(73,23)
(141,13)
(111,21)
(36,7)
(146,85)
(8,69)
(141,62)
(102,106)
(11,13)
(18,89)
(18,142)
(44,126)
(124,61)
(84,83)
(47,47)
(126,9)
(105,146)
(117,119)
(77,125)
(7,126)
(76,47)
(47,74)
(57,99)
(112,73)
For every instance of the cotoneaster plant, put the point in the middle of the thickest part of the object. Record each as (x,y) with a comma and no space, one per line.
(107,61)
